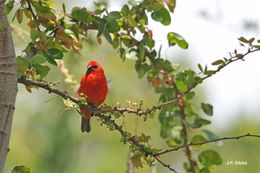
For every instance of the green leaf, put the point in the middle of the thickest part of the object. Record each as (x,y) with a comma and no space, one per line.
(100,7)
(171,4)
(50,60)
(131,21)
(19,15)
(164,133)
(186,166)
(198,139)
(207,108)
(173,143)
(64,8)
(107,36)
(210,72)
(21,169)
(22,65)
(163,64)
(81,15)
(150,43)
(162,16)
(42,70)
(256,46)
(209,158)
(190,95)
(205,170)
(199,122)
(141,52)
(127,40)
(242,39)
(210,135)
(218,62)
(142,19)
(125,10)
(141,69)
(200,68)
(251,40)
(35,34)
(112,26)
(122,53)
(181,86)
(174,38)
(9,6)
(113,15)
(38,59)
(54,53)
(115,43)
(154,6)
(240,56)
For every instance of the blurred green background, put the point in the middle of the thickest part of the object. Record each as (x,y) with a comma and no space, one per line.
(46,135)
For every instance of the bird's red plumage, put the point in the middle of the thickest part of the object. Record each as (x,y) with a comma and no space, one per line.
(94,86)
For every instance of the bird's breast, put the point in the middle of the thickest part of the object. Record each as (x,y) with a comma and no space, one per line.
(94,87)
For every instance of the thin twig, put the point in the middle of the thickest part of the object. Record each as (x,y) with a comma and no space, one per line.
(206,142)
(33,15)
(230,60)
(165,165)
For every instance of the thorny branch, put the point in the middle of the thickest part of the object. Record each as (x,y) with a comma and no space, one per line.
(206,142)
(233,58)
(65,95)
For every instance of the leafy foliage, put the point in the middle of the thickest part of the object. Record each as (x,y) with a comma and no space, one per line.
(52,34)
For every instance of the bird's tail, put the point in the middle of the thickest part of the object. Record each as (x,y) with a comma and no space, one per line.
(85,122)
(85,125)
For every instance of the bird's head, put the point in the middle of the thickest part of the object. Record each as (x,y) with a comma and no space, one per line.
(94,67)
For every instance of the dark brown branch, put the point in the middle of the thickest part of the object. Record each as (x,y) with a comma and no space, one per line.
(48,87)
(165,165)
(65,95)
(206,142)
(33,15)
(184,131)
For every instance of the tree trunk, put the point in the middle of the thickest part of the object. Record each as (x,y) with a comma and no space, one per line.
(8,84)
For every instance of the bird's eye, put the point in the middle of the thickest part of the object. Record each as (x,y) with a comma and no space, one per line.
(90,68)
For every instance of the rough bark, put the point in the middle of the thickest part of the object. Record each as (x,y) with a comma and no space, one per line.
(8,84)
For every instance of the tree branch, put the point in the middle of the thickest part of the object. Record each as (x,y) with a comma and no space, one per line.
(65,95)
(233,58)
(188,153)
(165,165)
(206,142)
(33,15)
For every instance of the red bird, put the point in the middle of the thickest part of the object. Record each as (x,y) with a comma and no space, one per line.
(94,86)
